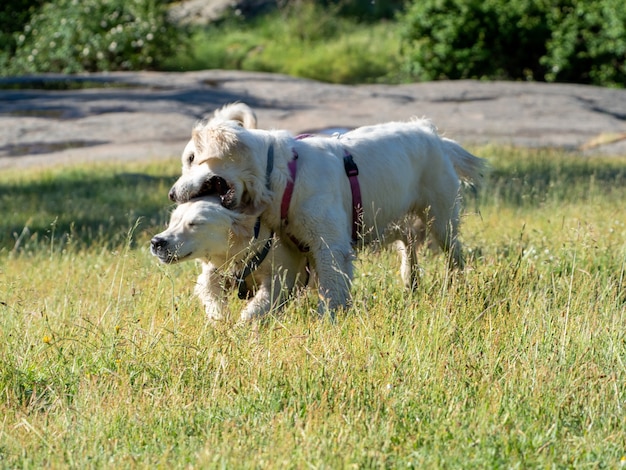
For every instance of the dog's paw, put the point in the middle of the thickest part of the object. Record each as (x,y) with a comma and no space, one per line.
(214,313)
(249,314)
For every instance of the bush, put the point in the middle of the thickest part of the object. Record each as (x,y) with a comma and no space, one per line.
(365,10)
(457,39)
(557,40)
(588,43)
(71,36)
(14,15)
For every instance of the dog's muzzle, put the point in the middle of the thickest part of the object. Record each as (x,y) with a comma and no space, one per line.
(214,186)
(159,248)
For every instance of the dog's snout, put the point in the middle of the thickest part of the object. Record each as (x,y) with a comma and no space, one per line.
(172,194)
(157,243)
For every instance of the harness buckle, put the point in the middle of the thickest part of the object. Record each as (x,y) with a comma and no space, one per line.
(349,165)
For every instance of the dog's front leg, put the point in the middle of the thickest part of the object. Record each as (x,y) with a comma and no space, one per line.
(271,294)
(259,305)
(334,271)
(277,279)
(210,289)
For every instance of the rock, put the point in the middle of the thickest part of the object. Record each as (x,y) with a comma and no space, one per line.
(148,115)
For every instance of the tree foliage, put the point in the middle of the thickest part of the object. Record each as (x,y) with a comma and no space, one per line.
(575,41)
(94,35)
(551,40)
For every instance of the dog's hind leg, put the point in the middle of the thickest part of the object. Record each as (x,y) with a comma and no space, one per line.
(414,235)
(443,219)
(407,237)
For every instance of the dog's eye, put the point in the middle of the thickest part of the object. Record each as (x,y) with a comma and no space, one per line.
(190,158)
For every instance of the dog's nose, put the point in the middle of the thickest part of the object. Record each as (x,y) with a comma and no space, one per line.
(172,194)
(157,243)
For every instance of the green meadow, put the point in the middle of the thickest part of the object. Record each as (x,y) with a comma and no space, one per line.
(106,360)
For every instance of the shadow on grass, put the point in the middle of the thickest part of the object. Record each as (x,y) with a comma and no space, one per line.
(535,178)
(108,208)
(82,208)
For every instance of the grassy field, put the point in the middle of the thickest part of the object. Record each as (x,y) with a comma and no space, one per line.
(107,361)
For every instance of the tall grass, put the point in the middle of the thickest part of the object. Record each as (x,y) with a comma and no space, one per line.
(107,361)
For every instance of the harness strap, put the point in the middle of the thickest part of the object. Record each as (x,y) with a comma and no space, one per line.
(284,204)
(255,260)
(286,201)
(352,171)
(268,175)
(251,265)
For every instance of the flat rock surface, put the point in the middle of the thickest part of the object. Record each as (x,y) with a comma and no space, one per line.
(149,115)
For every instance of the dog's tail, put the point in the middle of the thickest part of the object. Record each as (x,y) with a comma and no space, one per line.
(240,112)
(470,168)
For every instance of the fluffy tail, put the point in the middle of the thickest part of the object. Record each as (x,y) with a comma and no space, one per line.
(470,168)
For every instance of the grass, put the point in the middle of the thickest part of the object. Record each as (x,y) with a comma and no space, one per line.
(107,361)
(330,48)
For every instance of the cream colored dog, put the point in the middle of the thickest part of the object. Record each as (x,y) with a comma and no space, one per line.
(198,230)
(405,170)
(224,241)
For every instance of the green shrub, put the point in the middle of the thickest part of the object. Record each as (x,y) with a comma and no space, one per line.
(552,40)
(14,15)
(71,36)
(588,43)
(365,10)
(458,39)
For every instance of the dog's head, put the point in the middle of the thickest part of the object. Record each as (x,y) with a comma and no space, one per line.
(227,161)
(239,113)
(201,228)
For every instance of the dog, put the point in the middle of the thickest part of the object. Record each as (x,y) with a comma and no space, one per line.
(405,170)
(224,241)
(288,267)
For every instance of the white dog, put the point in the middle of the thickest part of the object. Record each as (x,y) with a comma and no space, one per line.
(286,265)
(228,247)
(405,169)
(224,241)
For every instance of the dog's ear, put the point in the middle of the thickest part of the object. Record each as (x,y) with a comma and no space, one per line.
(240,112)
(243,226)
(197,139)
(248,119)
(215,141)
(254,205)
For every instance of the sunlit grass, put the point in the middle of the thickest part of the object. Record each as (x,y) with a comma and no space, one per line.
(107,360)
(329,48)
